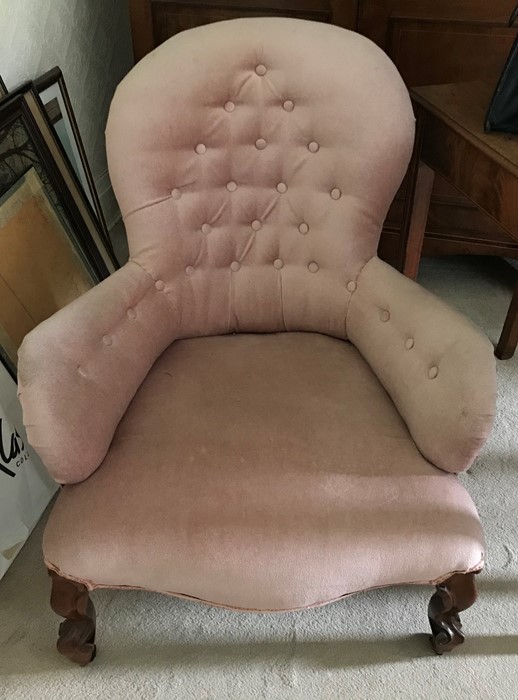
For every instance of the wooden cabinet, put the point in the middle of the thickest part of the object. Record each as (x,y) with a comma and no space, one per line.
(431,42)
(375,17)
(154,21)
(434,42)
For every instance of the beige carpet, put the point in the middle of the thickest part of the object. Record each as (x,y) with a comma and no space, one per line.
(373,645)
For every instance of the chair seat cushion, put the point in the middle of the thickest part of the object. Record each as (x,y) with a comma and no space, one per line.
(263,472)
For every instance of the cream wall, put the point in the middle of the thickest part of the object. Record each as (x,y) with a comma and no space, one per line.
(91,42)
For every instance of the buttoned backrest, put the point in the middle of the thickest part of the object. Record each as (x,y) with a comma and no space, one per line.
(254,162)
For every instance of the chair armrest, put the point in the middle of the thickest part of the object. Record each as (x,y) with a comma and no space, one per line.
(437,366)
(79,369)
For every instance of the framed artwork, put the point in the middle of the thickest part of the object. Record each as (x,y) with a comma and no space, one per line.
(53,93)
(40,269)
(51,243)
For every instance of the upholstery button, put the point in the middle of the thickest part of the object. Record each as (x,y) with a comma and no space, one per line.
(206,228)
(409,343)
(200,148)
(176,193)
(231,186)
(260,144)
(260,69)
(278,264)
(282,187)
(160,285)
(234,266)
(229,106)
(313,146)
(313,267)
(189,270)
(433,372)
(107,340)
(256,225)
(288,105)
(384,315)
(303,227)
(336,193)
(351,286)
(132,314)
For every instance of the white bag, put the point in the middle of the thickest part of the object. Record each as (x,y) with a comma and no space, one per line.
(25,486)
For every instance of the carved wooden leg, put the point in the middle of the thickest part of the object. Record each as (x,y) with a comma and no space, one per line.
(71,600)
(418,220)
(509,338)
(451,597)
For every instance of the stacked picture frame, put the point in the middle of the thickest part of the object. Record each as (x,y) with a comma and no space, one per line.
(54,243)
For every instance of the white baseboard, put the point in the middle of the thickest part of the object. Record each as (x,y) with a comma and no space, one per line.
(109,204)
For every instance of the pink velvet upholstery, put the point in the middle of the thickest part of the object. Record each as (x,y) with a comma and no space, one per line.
(263,472)
(79,369)
(254,162)
(437,366)
(224,247)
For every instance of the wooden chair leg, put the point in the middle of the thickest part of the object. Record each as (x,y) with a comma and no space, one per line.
(418,220)
(509,338)
(451,597)
(71,600)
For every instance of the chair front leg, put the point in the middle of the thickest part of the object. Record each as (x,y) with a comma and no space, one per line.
(452,596)
(71,600)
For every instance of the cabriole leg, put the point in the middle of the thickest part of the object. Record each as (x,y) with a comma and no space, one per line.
(71,600)
(451,597)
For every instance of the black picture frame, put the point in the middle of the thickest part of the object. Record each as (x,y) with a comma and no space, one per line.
(3,88)
(53,92)
(24,104)
(39,147)
(6,362)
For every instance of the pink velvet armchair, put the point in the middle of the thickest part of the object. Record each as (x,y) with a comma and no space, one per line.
(255,411)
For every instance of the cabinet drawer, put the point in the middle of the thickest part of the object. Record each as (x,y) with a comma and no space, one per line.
(374,15)
(169,18)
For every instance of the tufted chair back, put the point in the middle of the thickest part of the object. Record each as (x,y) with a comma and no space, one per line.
(254,161)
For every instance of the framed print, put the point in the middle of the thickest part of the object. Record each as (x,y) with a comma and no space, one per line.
(28,140)
(51,244)
(53,93)
(40,269)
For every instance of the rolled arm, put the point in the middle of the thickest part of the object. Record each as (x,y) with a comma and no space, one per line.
(437,366)
(79,369)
